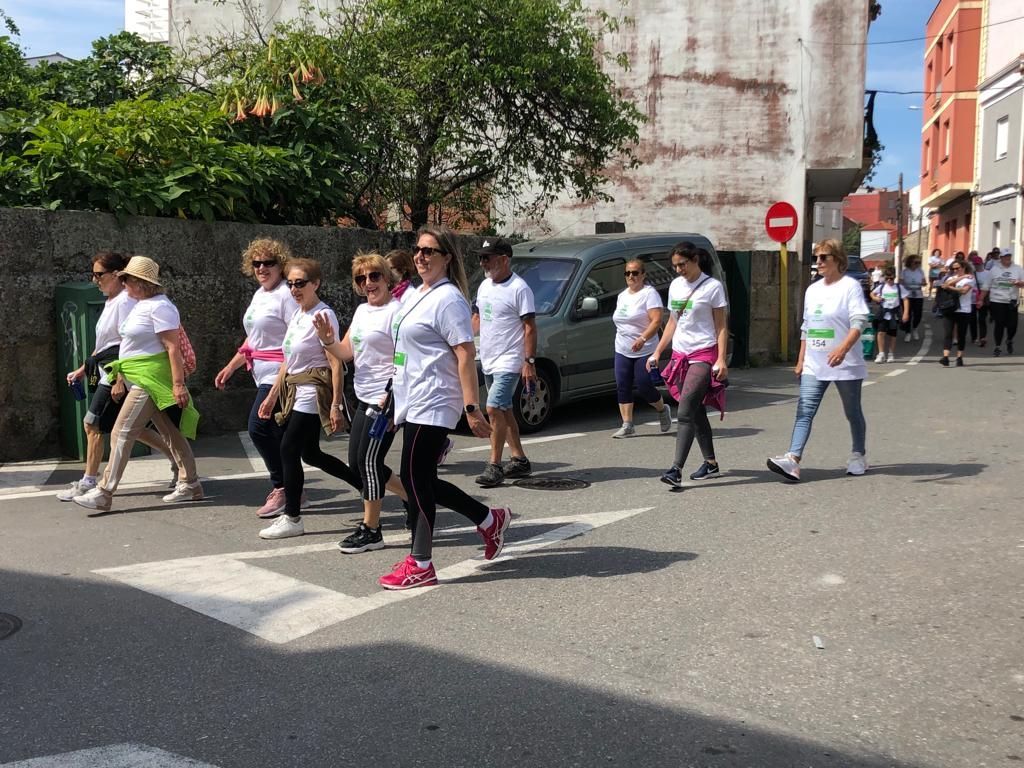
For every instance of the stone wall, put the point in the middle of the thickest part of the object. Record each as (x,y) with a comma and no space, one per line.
(200,263)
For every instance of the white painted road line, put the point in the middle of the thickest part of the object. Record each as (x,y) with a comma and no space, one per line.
(529,441)
(925,344)
(897,372)
(115,756)
(279,608)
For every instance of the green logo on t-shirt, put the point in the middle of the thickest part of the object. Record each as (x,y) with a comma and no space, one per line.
(487,313)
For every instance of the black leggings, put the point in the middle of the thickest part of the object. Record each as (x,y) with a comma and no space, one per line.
(301,443)
(368,455)
(916,312)
(421,445)
(1004,318)
(693,416)
(959,321)
(983,321)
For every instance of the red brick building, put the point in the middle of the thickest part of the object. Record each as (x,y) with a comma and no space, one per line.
(872,206)
(949,115)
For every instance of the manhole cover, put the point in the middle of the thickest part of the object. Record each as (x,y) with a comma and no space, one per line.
(8,625)
(551,484)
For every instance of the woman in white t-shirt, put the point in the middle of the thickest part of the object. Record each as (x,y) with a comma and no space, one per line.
(149,374)
(959,280)
(835,313)
(265,322)
(913,280)
(103,409)
(698,332)
(637,321)
(370,347)
(934,270)
(309,385)
(435,382)
(893,309)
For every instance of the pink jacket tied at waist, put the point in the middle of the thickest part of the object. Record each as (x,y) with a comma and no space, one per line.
(675,372)
(250,354)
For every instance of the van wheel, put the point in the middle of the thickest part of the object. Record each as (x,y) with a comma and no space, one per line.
(533,412)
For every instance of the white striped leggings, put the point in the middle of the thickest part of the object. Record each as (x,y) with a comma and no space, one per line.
(367,456)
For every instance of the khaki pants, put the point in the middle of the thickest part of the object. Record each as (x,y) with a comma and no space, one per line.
(138,410)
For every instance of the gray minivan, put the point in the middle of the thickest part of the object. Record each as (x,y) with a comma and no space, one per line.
(576,282)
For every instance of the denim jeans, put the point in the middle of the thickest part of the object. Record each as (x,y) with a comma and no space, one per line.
(811,393)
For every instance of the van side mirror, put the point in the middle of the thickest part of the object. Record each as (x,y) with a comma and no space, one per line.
(588,307)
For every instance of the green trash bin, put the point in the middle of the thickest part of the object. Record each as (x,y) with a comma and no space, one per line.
(79,306)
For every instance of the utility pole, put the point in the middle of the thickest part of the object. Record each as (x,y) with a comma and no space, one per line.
(898,249)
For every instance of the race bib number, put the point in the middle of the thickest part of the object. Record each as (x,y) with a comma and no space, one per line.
(821,339)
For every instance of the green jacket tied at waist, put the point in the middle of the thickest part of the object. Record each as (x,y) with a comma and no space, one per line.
(153,374)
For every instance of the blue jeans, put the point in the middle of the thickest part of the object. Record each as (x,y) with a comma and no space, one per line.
(811,392)
(266,436)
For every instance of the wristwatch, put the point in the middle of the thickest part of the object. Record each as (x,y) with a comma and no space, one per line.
(472,408)
(531,360)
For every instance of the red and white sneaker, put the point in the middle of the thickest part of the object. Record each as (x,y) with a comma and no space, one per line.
(408,575)
(494,537)
(273,506)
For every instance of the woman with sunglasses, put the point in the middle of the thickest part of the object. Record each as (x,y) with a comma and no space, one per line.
(835,313)
(637,321)
(150,375)
(368,344)
(699,335)
(959,281)
(103,409)
(265,323)
(309,384)
(435,382)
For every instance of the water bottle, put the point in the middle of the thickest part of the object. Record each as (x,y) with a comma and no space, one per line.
(379,417)
(78,389)
(656,378)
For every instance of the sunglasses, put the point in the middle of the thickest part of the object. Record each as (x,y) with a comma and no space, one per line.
(373,277)
(297,283)
(256,264)
(98,275)
(633,273)
(956,269)
(427,251)
(821,257)
(677,265)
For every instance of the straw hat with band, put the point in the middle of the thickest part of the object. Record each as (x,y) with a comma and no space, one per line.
(143,268)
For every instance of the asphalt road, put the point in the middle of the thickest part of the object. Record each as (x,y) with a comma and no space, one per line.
(630,624)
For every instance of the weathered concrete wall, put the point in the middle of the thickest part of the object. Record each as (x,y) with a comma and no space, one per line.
(765,299)
(200,268)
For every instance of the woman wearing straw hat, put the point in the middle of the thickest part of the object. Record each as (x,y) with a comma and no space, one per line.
(150,376)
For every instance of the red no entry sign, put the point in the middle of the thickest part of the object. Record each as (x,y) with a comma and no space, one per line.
(781,222)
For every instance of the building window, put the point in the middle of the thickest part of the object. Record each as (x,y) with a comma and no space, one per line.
(926,157)
(1002,136)
(997,241)
(817,215)
(949,50)
(835,218)
(947,140)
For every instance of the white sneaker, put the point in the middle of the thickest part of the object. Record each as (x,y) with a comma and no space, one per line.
(666,418)
(77,488)
(880,358)
(186,492)
(627,430)
(787,466)
(916,336)
(97,499)
(857,465)
(283,528)
(890,358)
(906,336)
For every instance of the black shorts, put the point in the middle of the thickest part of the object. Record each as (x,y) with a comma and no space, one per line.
(103,410)
(889,327)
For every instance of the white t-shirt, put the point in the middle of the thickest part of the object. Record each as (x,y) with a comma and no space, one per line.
(913,281)
(115,311)
(891,298)
(827,313)
(631,320)
(876,275)
(427,388)
(265,322)
(695,323)
(502,336)
(1003,291)
(966,299)
(374,349)
(303,351)
(140,328)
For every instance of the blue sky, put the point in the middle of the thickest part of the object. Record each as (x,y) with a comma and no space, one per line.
(69,26)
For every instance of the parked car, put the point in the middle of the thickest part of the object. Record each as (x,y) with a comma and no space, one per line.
(856,269)
(575,283)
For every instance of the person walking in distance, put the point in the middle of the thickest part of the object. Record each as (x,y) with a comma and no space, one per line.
(699,335)
(913,281)
(637,321)
(835,313)
(504,316)
(958,281)
(893,309)
(934,270)
(983,277)
(1003,298)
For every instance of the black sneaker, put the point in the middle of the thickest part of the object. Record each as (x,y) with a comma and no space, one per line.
(673,477)
(1009,347)
(944,362)
(705,470)
(959,362)
(517,466)
(492,476)
(363,540)
(997,352)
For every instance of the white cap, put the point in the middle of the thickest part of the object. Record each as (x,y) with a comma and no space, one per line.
(1005,252)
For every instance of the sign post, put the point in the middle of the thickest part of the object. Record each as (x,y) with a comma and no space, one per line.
(781,224)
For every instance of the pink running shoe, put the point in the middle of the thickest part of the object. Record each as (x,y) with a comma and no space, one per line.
(273,506)
(448,445)
(408,575)
(494,537)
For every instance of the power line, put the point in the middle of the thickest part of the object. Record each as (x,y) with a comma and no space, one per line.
(913,39)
